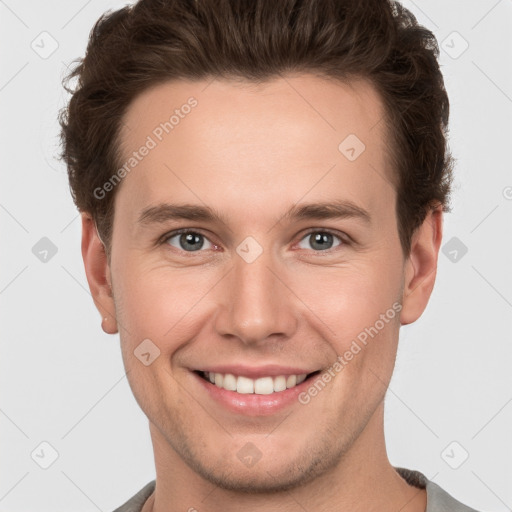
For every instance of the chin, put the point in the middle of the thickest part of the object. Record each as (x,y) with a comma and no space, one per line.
(266,475)
(262,481)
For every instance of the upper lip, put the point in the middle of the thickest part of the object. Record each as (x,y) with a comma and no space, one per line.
(254,372)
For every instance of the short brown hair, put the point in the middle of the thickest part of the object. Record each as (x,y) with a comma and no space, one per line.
(153,41)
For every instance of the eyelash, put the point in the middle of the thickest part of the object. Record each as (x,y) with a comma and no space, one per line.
(344,239)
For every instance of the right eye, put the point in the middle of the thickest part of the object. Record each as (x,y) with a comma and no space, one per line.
(187,240)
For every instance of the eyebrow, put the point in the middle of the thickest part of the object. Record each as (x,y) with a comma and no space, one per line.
(164,212)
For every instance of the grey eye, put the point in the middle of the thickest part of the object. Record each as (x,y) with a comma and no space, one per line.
(189,241)
(320,240)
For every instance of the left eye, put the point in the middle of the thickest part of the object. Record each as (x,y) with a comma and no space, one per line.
(189,241)
(320,240)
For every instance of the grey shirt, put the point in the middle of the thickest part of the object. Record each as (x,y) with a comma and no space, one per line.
(438,500)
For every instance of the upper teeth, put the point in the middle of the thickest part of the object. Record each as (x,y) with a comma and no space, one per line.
(261,386)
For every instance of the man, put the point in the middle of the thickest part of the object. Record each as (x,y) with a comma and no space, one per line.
(262,186)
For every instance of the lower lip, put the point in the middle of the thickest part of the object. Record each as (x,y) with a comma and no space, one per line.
(252,404)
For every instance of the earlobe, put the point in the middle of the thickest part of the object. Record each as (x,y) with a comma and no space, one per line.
(98,273)
(421,266)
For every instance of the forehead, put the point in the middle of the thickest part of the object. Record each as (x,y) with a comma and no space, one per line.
(275,141)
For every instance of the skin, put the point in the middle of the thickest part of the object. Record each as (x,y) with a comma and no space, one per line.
(251,152)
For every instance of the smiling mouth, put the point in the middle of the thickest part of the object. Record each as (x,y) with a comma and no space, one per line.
(260,386)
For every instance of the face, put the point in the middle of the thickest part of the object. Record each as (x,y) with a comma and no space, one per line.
(254,241)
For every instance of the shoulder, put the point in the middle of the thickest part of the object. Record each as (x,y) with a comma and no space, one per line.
(438,500)
(136,502)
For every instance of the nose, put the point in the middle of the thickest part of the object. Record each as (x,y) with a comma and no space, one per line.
(256,305)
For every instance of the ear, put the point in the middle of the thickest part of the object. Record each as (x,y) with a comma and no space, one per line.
(421,266)
(98,273)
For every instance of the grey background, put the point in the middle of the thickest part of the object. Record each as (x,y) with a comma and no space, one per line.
(62,378)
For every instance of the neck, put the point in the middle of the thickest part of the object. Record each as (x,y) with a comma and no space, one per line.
(363,480)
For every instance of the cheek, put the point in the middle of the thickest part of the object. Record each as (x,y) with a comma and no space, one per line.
(154,302)
(152,313)
(357,311)
(351,298)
